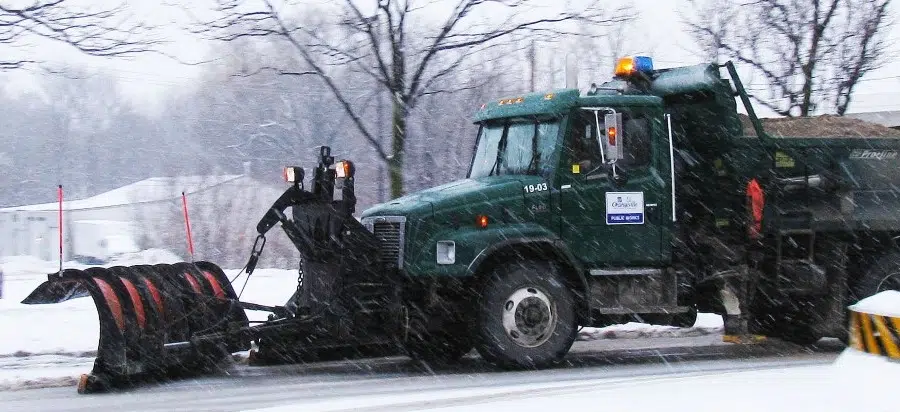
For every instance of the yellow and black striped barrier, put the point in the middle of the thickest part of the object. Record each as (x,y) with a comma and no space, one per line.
(875,334)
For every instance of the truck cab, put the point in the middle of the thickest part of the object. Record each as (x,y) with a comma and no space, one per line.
(592,173)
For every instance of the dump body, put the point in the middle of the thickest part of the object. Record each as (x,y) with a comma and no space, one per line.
(847,184)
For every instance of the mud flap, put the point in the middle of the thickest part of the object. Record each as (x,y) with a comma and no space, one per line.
(149,317)
(732,290)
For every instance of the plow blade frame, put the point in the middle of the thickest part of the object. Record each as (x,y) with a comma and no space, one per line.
(148,317)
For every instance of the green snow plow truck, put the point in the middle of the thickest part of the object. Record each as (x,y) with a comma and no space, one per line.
(641,199)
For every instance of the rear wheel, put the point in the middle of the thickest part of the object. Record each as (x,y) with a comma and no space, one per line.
(883,275)
(799,322)
(526,315)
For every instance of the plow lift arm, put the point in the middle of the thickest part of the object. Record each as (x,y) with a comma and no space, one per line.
(164,321)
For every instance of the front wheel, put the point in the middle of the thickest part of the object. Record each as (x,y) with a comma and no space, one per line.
(526,316)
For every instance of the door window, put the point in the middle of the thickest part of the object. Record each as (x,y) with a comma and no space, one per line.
(585,146)
(636,141)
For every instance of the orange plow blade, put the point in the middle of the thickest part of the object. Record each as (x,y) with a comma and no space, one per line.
(151,318)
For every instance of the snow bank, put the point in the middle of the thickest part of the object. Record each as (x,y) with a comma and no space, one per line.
(706,324)
(144,257)
(856,366)
(886,303)
(31,266)
(65,328)
(41,371)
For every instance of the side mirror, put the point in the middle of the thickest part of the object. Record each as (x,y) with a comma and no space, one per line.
(614,135)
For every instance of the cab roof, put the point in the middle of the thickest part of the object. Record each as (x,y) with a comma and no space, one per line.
(666,82)
(555,103)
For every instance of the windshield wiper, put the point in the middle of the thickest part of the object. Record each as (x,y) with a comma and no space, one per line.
(496,162)
(535,154)
(501,147)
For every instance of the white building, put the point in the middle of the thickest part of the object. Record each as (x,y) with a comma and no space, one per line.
(140,215)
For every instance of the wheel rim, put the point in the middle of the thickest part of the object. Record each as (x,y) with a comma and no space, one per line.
(889,282)
(529,317)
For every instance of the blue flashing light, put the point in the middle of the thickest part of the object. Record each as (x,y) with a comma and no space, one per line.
(643,64)
(628,66)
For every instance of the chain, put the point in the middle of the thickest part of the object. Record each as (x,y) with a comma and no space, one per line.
(300,277)
(258,245)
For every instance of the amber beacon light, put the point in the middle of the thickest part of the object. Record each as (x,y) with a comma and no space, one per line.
(481,221)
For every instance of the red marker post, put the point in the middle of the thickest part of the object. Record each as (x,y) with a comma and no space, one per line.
(59,194)
(187,225)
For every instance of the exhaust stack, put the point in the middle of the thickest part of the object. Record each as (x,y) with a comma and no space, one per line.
(571,72)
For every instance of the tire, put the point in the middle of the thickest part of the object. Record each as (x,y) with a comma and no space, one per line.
(796,322)
(525,316)
(883,275)
(798,325)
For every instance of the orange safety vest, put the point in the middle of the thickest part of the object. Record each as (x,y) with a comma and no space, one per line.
(755,201)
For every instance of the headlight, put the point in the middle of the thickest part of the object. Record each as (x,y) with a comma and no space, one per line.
(344,169)
(446,252)
(293,174)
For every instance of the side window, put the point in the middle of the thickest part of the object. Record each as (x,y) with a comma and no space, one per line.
(584,146)
(637,141)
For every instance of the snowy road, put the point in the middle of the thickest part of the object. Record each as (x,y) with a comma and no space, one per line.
(397,384)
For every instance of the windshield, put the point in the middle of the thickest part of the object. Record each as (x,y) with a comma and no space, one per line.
(514,148)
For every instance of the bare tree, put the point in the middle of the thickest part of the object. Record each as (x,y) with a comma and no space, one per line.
(389,41)
(105,32)
(811,53)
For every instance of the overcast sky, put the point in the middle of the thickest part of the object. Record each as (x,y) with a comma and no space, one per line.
(659,33)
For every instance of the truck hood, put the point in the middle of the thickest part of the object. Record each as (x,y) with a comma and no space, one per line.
(449,195)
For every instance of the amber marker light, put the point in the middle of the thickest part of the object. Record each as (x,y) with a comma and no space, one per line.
(344,169)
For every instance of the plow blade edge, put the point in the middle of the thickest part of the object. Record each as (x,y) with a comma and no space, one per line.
(152,318)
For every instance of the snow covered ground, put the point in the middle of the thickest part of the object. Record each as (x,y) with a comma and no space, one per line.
(855,381)
(53,344)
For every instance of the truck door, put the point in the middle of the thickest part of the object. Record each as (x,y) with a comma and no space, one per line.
(614,220)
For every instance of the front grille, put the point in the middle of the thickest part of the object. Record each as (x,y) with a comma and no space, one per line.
(390,231)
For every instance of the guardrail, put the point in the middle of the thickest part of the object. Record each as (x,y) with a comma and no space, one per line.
(875,333)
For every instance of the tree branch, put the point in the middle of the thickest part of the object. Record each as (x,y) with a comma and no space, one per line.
(339,96)
(109,32)
(810,51)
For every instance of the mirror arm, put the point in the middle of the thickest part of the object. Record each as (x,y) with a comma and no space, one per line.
(599,134)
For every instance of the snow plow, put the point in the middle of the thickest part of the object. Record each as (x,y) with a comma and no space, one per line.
(152,319)
(641,200)
(164,321)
